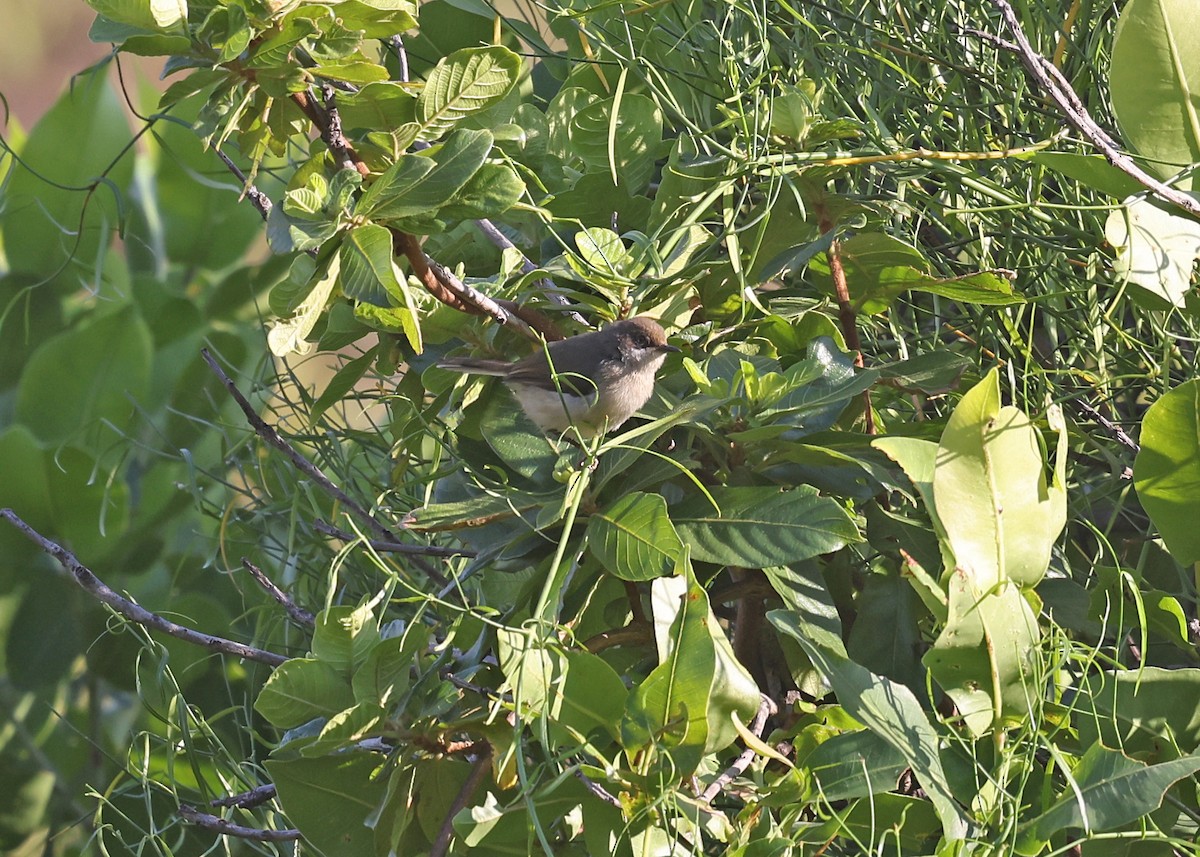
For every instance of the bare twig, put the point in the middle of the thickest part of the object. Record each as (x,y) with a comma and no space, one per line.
(396,43)
(489,231)
(227,828)
(765,709)
(256,796)
(596,789)
(258,199)
(299,615)
(1060,91)
(479,770)
(272,436)
(848,318)
(477,299)
(392,547)
(98,589)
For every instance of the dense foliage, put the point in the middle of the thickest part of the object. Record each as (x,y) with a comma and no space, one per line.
(827,595)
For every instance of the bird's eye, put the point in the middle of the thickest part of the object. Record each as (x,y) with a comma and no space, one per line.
(641,341)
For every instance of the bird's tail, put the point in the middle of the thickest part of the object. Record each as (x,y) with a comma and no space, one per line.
(475,366)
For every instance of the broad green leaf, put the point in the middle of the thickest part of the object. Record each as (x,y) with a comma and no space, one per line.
(377,105)
(855,764)
(344,636)
(604,250)
(1155,83)
(983,658)
(162,15)
(81,378)
(761,527)
(48,228)
(466,82)
(1109,789)
(302,689)
(368,269)
(989,487)
(634,538)
(1156,249)
(886,708)
(1152,712)
(493,190)
(936,371)
(626,146)
(1166,471)
(409,191)
(1092,170)
(330,799)
(688,700)
(289,336)
(576,691)
(387,671)
(352,71)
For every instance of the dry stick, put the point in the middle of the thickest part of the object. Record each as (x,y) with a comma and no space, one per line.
(478,771)
(227,828)
(299,615)
(596,789)
(765,709)
(848,318)
(98,589)
(339,147)
(258,199)
(1060,91)
(269,434)
(256,796)
(392,547)
(479,300)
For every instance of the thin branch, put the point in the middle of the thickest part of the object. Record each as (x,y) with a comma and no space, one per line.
(596,789)
(97,588)
(258,199)
(299,615)
(765,709)
(269,434)
(1060,91)
(848,318)
(227,828)
(245,800)
(479,300)
(392,547)
(478,771)
(500,240)
(397,44)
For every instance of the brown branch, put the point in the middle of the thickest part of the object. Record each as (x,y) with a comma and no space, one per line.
(765,709)
(849,319)
(332,134)
(478,771)
(392,547)
(227,828)
(299,615)
(256,796)
(482,303)
(408,246)
(98,589)
(1059,89)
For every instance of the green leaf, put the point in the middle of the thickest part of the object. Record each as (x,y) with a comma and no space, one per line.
(989,487)
(81,378)
(983,656)
(576,691)
(1151,712)
(438,517)
(760,527)
(369,271)
(47,227)
(161,15)
(343,637)
(290,336)
(634,538)
(855,764)
(416,186)
(1166,471)
(625,145)
(352,71)
(936,371)
(466,82)
(688,701)
(1092,170)
(331,798)
(886,708)
(1156,249)
(493,190)
(1109,789)
(302,689)
(1155,83)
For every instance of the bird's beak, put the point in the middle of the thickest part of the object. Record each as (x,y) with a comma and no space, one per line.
(670,348)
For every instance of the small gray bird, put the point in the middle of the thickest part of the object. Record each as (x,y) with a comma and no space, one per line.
(603,377)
